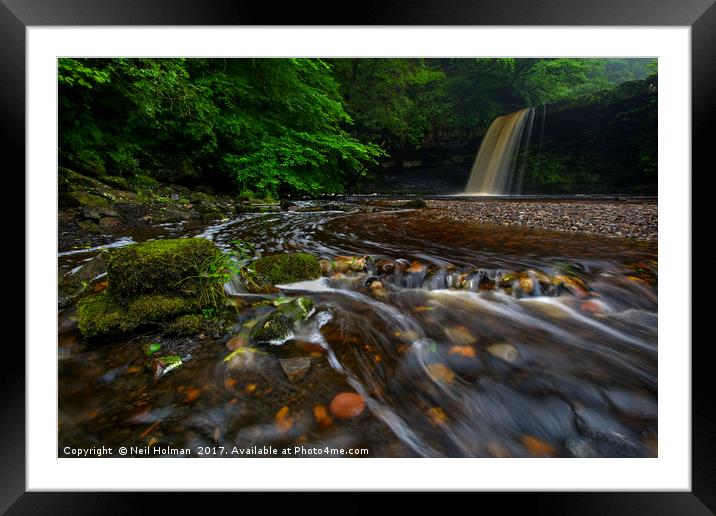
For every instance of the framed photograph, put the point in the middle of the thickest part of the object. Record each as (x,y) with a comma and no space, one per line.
(450,244)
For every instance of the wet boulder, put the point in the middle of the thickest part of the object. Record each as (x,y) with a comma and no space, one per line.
(76,282)
(276,329)
(160,266)
(298,309)
(287,268)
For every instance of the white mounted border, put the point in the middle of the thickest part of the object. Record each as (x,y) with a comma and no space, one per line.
(670,471)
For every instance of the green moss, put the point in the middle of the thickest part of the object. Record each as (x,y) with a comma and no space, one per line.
(99,314)
(116,182)
(190,324)
(275,329)
(288,268)
(81,199)
(158,307)
(160,266)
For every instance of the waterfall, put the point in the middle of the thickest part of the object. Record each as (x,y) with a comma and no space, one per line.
(493,172)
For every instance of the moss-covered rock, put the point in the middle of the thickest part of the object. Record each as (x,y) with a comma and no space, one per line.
(288,268)
(190,324)
(99,314)
(160,266)
(275,329)
(116,182)
(158,307)
(102,314)
(298,309)
(79,199)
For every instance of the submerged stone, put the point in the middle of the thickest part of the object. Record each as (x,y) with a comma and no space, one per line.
(506,352)
(288,268)
(295,368)
(347,405)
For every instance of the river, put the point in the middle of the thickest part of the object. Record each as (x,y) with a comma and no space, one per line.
(449,364)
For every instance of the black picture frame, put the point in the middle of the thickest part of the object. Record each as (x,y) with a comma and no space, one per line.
(700,15)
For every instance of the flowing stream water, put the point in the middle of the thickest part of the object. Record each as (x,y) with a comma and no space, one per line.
(458,336)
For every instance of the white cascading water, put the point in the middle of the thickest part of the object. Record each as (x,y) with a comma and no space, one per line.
(495,167)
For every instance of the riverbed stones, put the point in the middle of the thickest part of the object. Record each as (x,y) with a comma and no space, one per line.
(347,405)
(110,223)
(295,368)
(98,211)
(415,204)
(349,263)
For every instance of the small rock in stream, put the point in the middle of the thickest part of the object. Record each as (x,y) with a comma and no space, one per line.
(506,352)
(347,405)
(295,368)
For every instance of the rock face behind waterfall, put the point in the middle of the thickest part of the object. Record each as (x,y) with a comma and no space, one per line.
(601,143)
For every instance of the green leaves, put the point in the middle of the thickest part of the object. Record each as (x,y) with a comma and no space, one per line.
(152,348)
(274,126)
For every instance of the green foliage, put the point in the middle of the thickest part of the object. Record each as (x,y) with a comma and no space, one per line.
(152,348)
(209,279)
(277,127)
(287,268)
(272,126)
(413,103)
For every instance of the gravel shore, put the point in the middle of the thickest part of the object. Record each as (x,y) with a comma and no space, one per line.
(615,218)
